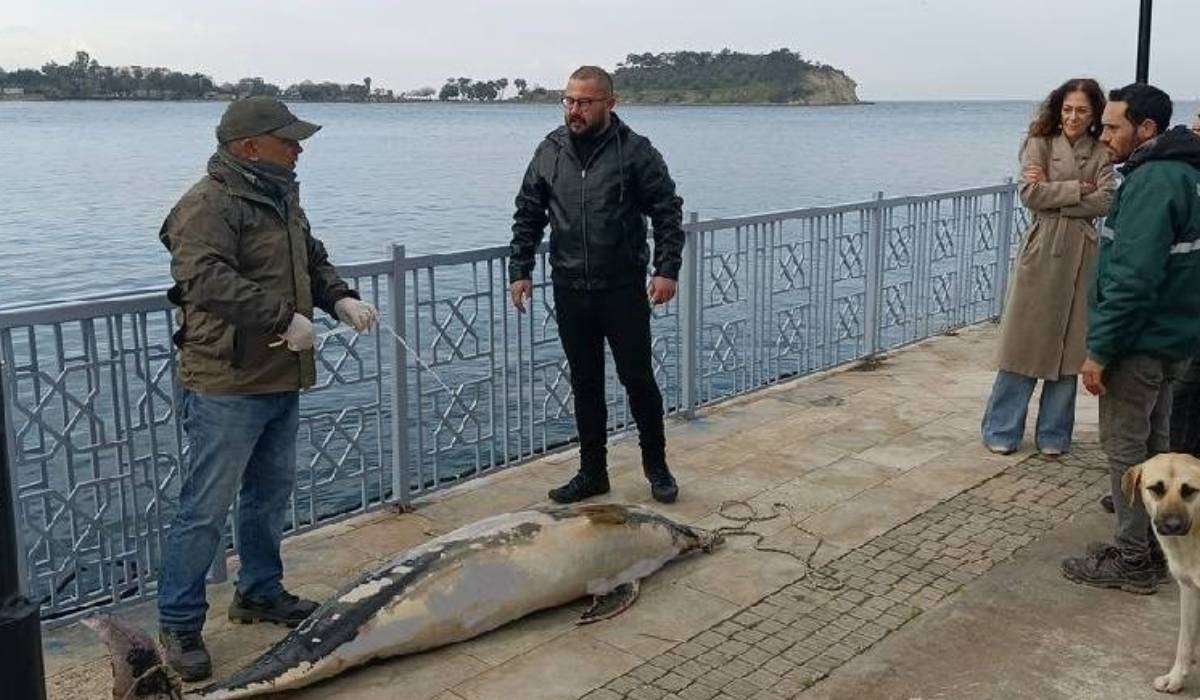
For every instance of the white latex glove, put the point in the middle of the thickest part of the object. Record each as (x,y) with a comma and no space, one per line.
(299,334)
(357,314)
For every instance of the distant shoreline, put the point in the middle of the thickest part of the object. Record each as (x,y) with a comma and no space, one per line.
(460,103)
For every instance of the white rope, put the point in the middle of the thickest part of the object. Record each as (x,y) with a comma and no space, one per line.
(346,330)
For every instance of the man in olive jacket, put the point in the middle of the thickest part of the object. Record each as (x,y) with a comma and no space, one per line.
(595,181)
(248,274)
(1144,315)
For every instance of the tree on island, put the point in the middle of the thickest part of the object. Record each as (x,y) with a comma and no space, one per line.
(467,89)
(84,77)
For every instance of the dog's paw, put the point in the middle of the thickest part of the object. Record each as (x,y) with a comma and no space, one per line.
(1170,683)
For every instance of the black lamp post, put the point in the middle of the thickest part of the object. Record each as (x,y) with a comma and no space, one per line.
(1143,54)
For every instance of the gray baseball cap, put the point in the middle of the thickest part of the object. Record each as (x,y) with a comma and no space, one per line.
(254,116)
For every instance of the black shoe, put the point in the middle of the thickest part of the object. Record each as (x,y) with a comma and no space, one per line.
(1107,504)
(1104,567)
(284,609)
(1158,561)
(186,654)
(582,485)
(662,485)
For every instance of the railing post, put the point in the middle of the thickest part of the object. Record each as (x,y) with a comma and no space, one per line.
(400,470)
(873,293)
(1004,233)
(20,622)
(689,308)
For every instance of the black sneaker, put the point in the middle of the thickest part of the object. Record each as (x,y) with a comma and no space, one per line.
(1104,567)
(581,486)
(1158,561)
(186,654)
(662,485)
(285,609)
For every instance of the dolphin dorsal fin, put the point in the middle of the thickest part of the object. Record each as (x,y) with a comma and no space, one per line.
(605,513)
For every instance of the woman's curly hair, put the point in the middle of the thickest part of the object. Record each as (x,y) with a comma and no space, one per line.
(1048,121)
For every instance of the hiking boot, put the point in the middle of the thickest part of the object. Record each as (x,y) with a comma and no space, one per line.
(284,609)
(582,485)
(1158,561)
(662,485)
(1104,567)
(186,654)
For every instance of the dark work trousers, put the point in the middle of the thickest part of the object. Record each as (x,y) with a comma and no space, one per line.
(622,317)
(1135,424)
(1185,412)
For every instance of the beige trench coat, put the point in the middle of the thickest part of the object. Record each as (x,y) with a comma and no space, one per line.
(1044,327)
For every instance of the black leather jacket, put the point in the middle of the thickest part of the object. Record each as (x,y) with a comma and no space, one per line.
(597,212)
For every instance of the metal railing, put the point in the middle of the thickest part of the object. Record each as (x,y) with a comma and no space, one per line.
(96,450)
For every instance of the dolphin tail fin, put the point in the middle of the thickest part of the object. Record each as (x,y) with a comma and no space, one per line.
(611,604)
(138,668)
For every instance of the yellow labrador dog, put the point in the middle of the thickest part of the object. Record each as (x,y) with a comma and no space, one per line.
(1168,485)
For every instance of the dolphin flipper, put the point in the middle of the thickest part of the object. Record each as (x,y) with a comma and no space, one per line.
(611,604)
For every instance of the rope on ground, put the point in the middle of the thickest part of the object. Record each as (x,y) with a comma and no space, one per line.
(819,578)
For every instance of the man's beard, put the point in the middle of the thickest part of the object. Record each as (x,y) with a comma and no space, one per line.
(587,130)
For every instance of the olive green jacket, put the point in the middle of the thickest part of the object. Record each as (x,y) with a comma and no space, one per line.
(244,259)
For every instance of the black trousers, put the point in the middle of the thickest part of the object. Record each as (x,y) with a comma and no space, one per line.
(622,317)
(1185,412)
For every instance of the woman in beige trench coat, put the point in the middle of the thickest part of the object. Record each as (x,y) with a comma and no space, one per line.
(1066,184)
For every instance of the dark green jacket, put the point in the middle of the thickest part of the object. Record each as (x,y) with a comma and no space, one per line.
(244,260)
(597,212)
(1146,295)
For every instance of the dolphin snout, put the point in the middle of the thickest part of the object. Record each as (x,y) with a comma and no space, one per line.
(1172,524)
(709,541)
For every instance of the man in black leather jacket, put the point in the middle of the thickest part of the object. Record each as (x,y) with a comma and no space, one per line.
(595,181)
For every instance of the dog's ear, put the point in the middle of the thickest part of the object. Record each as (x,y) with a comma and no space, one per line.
(1131,480)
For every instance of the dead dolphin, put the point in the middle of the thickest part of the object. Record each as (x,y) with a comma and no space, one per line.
(451,588)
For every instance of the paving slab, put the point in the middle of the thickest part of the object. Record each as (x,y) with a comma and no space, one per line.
(1022,631)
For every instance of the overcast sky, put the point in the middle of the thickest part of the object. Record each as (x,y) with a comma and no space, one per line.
(895,49)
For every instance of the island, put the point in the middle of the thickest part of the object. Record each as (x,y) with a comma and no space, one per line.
(780,77)
(729,77)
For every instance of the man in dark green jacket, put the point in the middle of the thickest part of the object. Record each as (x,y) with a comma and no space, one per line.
(1144,315)
(248,273)
(595,181)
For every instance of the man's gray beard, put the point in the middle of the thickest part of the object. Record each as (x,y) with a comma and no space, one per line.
(588,131)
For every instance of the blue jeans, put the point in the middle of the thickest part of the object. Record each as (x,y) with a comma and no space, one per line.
(1004,419)
(238,445)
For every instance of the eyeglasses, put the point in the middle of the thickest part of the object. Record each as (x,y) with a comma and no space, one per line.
(569,103)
